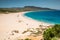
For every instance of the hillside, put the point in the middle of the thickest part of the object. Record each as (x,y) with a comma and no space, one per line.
(25,8)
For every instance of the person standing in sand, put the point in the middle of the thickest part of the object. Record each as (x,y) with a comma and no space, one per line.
(18,18)
(18,15)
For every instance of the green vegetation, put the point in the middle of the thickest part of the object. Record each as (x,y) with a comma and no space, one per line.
(27,39)
(5,10)
(24,39)
(52,33)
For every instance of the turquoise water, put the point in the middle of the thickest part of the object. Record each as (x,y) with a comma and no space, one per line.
(52,16)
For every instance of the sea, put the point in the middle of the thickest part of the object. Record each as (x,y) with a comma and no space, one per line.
(48,16)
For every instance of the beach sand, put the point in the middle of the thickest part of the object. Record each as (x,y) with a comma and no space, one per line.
(13,24)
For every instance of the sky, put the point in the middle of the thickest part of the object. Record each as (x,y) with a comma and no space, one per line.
(54,4)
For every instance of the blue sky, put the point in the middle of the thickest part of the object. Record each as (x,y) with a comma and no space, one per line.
(55,4)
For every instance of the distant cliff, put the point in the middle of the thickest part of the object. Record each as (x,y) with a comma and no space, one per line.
(20,9)
(36,8)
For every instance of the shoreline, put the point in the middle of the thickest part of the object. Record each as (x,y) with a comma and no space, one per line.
(36,20)
(13,24)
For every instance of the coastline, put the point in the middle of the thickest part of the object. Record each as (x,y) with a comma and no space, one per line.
(16,21)
(36,20)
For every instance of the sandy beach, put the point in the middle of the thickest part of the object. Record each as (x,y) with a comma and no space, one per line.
(13,24)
